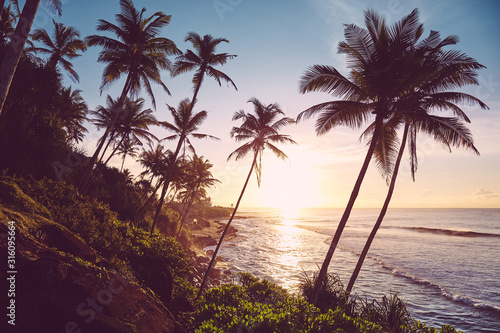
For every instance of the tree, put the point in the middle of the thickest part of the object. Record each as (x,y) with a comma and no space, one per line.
(199,177)
(435,72)
(203,60)
(17,41)
(382,70)
(185,124)
(73,111)
(65,43)
(134,126)
(137,52)
(262,130)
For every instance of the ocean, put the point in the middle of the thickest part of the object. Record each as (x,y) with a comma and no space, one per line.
(444,263)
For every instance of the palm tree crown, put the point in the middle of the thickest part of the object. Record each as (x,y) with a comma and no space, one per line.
(137,51)
(203,59)
(262,131)
(65,43)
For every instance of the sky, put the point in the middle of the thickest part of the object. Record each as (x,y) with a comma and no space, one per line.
(275,42)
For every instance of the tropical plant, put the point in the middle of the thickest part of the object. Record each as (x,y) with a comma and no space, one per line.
(128,147)
(17,41)
(61,48)
(203,59)
(132,126)
(262,130)
(185,124)
(7,20)
(73,110)
(383,71)
(199,178)
(137,52)
(436,71)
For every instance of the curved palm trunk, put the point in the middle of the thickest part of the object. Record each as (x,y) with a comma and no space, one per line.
(15,48)
(114,150)
(205,276)
(382,213)
(354,194)
(83,186)
(106,148)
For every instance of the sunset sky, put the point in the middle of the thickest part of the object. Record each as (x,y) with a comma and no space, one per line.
(275,42)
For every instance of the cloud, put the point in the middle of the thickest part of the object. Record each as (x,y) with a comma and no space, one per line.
(486,194)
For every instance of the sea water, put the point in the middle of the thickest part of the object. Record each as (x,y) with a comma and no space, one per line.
(444,263)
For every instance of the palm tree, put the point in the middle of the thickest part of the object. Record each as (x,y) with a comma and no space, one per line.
(185,124)
(137,52)
(203,60)
(17,42)
(134,126)
(438,72)
(73,113)
(103,117)
(199,178)
(262,129)
(65,43)
(128,147)
(384,70)
(7,20)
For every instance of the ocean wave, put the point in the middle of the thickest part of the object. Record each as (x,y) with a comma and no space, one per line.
(466,300)
(448,232)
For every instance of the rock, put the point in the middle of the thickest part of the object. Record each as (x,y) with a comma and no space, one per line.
(210,252)
(214,273)
(204,241)
(64,240)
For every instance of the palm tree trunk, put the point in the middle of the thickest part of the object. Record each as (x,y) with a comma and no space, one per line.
(15,48)
(123,161)
(107,145)
(354,194)
(83,186)
(186,211)
(214,256)
(382,212)
(114,150)
(168,178)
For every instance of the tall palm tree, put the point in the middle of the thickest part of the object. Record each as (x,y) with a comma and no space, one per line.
(199,179)
(73,113)
(137,52)
(17,41)
(262,130)
(7,20)
(61,48)
(128,147)
(203,60)
(436,71)
(103,117)
(383,69)
(185,124)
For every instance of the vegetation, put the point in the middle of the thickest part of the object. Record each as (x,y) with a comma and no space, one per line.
(118,222)
(399,80)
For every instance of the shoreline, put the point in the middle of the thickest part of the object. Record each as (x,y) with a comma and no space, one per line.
(207,233)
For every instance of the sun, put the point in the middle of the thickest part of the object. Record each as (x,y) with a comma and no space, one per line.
(288,188)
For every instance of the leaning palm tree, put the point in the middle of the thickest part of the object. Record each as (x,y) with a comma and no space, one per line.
(137,52)
(262,129)
(17,41)
(128,147)
(203,60)
(61,48)
(185,125)
(383,69)
(435,72)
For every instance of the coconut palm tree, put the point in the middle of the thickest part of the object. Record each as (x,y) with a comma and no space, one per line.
(18,40)
(7,20)
(134,126)
(203,60)
(73,113)
(382,70)
(199,178)
(61,48)
(262,130)
(128,147)
(436,71)
(184,126)
(137,52)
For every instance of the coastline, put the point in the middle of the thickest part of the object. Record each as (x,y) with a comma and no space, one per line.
(206,233)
